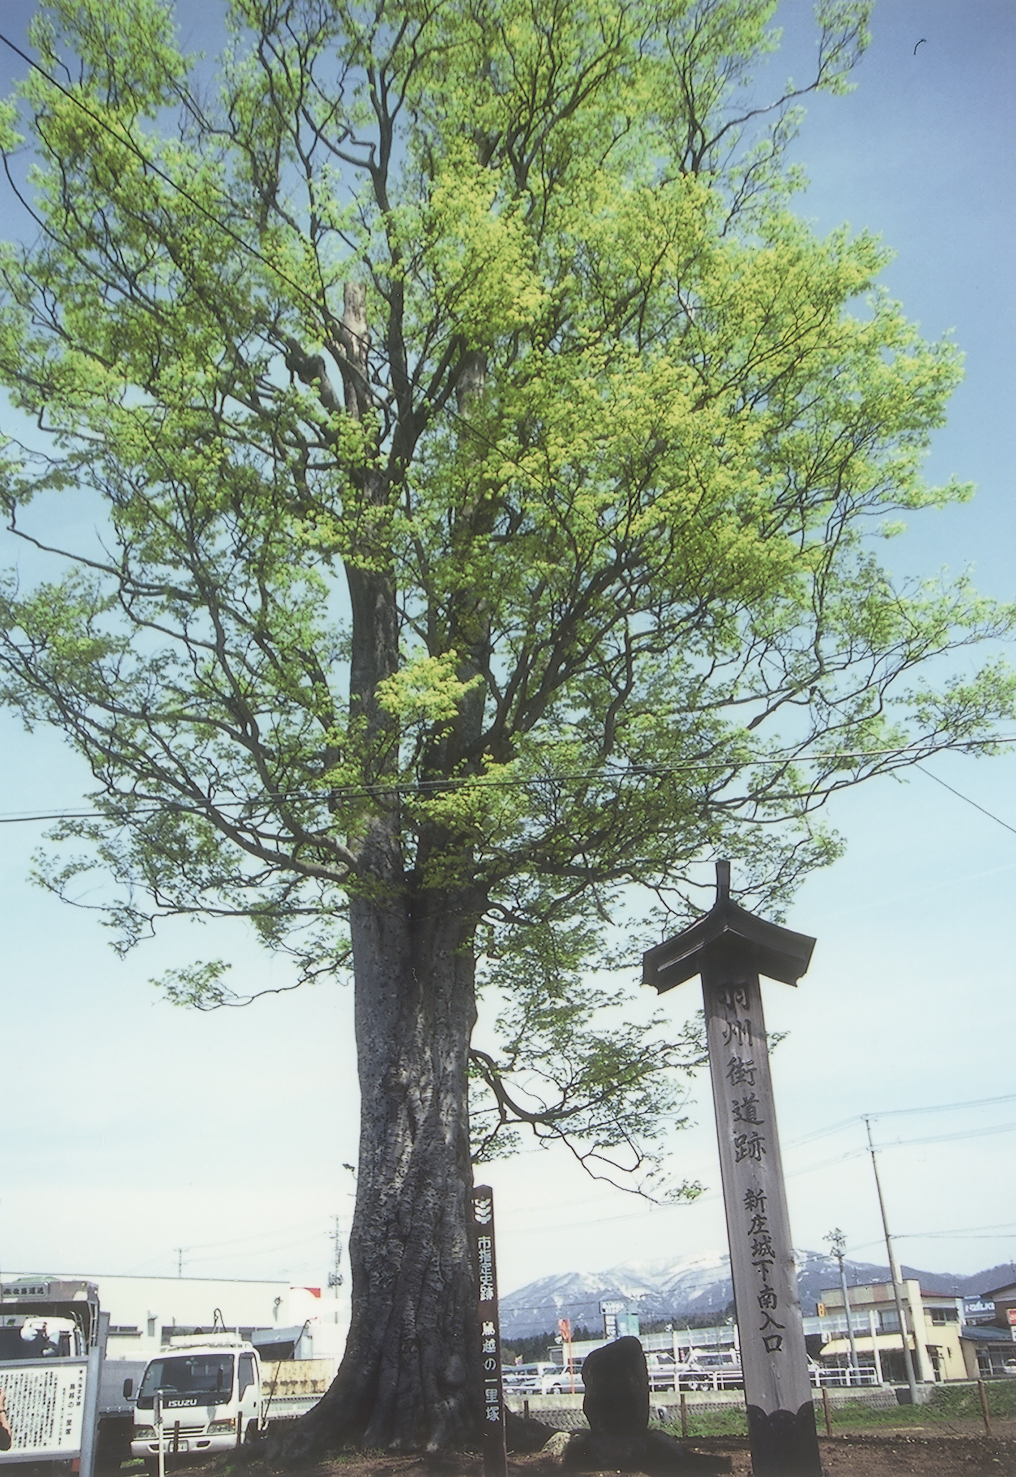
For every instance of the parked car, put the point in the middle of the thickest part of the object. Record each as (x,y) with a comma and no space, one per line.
(662,1371)
(704,1370)
(539,1379)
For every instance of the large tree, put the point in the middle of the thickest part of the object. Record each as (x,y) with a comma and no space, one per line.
(486,470)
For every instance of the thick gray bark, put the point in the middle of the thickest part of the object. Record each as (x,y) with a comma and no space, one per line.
(411,1372)
(410,1376)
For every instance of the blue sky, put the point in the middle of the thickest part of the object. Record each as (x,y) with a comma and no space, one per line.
(133,1129)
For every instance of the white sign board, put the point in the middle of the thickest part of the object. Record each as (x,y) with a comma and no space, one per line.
(45,1404)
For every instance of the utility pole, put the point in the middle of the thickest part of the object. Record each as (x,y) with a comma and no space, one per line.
(335,1275)
(894,1272)
(837,1244)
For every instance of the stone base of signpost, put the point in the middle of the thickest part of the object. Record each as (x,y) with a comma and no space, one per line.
(785,1443)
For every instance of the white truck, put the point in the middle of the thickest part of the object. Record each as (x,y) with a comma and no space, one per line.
(200,1396)
(51,1337)
(214,1389)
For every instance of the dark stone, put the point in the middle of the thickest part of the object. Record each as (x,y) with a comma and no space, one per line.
(523,1434)
(616,1402)
(590,1452)
(665,1454)
(655,1453)
(785,1443)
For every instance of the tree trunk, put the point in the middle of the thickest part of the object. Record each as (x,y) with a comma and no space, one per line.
(410,1377)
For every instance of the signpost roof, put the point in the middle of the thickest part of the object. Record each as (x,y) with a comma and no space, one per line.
(776,952)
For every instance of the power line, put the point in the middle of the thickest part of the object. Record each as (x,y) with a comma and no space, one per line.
(945,1138)
(513,1212)
(433,787)
(960,796)
(258,1253)
(842,1123)
(256,1236)
(808,1138)
(818,1133)
(124,138)
(982,1102)
(975,1233)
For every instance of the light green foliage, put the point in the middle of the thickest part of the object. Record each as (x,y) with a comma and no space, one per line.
(490,459)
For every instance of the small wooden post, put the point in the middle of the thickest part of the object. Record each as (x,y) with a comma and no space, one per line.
(684,1415)
(982,1390)
(825,1410)
(495,1452)
(729,948)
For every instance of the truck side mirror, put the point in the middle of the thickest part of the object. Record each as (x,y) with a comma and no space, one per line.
(128,1389)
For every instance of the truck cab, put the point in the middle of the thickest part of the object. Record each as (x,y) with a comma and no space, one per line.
(210,1399)
(49,1331)
(31,1336)
(47,1318)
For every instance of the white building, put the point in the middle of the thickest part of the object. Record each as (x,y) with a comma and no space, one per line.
(933,1322)
(146,1312)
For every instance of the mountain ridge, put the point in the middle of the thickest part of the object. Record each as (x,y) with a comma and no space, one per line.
(672,1289)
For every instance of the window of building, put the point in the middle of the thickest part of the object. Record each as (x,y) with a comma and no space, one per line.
(944,1315)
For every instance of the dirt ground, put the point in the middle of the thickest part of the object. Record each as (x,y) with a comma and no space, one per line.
(954,1452)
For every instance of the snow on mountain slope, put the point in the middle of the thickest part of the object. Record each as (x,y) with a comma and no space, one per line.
(676,1288)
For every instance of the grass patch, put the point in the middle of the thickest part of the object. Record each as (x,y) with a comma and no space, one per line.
(732,1421)
(947,1403)
(858,1414)
(963,1402)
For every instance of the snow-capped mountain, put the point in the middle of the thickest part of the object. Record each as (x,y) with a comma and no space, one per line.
(683,1287)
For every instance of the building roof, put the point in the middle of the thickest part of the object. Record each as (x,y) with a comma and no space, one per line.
(862,1341)
(834,1295)
(1000,1293)
(987,1333)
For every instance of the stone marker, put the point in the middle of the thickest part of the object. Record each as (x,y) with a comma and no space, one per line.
(616,1402)
(616,1405)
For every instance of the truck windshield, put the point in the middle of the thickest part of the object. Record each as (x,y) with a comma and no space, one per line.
(34,1342)
(207,1375)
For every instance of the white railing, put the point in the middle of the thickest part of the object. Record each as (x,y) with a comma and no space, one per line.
(840,1376)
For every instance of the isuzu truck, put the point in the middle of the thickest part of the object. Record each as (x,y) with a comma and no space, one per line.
(201,1395)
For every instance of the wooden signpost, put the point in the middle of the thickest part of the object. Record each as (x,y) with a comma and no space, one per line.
(730,948)
(495,1456)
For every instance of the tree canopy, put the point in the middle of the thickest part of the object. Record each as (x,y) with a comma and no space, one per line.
(492,469)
